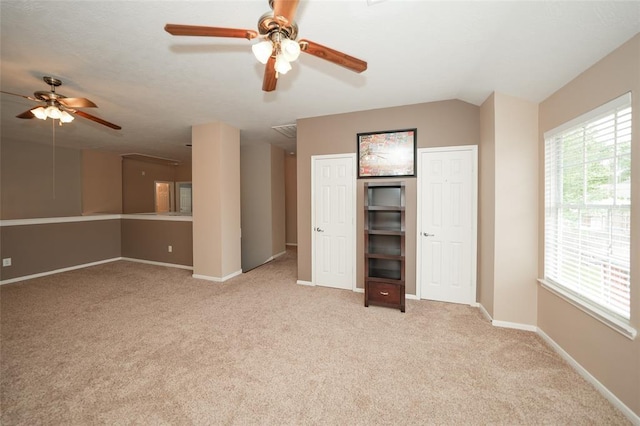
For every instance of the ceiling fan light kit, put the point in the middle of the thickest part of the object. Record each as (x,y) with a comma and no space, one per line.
(278,46)
(262,51)
(282,65)
(290,50)
(52,112)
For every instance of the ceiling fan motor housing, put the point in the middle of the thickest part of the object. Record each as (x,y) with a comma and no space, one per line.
(268,24)
(47,96)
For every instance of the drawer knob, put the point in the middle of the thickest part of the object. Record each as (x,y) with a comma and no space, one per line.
(384,293)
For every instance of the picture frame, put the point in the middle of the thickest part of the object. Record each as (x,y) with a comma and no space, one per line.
(389,153)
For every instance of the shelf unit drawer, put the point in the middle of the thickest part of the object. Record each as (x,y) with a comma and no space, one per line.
(385,294)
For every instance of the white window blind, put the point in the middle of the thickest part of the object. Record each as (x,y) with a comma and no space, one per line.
(588,208)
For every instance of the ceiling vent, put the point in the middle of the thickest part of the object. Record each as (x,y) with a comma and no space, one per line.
(289,130)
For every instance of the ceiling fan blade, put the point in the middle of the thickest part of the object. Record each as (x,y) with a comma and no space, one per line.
(270,80)
(22,96)
(331,55)
(77,103)
(194,30)
(96,119)
(26,114)
(285,10)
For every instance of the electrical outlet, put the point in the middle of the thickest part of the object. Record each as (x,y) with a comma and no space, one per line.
(170,249)
(6,262)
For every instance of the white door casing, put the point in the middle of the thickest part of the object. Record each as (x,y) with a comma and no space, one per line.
(333,220)
(447,224)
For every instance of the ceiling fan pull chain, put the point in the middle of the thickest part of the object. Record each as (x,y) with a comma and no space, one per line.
(53,127)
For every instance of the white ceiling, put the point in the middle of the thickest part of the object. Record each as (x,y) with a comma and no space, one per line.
(156,86)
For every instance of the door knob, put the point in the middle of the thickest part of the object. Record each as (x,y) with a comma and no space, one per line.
(319,230)
(426,234)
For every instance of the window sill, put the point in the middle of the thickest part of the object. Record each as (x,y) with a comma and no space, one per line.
(616,324)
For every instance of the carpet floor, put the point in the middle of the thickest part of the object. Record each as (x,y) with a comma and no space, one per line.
(132,343)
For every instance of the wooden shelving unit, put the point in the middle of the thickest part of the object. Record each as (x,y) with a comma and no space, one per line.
(384,241)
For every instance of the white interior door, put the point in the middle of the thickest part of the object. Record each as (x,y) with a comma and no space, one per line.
(447,224)
(333,221)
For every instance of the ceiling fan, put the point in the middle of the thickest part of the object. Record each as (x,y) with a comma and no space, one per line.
(59,107)
(278,47)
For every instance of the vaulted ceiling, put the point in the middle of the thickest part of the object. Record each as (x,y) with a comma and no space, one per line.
(156,86)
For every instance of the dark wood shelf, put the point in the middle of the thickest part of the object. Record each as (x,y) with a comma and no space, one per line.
(385,256)
(384,232)
(387,274)
(384,221)
(384,208)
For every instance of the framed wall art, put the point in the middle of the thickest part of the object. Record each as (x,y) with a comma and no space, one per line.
(387,154)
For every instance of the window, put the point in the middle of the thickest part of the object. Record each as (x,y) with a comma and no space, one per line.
(588,210)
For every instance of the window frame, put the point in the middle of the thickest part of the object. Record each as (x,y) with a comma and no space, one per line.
(582,302)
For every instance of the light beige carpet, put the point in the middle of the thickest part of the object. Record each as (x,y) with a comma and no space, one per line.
(130,343)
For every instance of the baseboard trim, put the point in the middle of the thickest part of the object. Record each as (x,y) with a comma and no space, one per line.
(485,313)
(153,262)
(274,257)
(307,283)
(58,271)
(505,324)
(514,325)
(626,411)
(217,279)
(282,253)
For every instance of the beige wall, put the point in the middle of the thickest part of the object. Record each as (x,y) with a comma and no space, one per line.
(291,199)
(516,204)
(278,215)
(263,207)
(611,358)
(486,204)
(508,209)
(216,200)
(447,123)
(37,182)
(230,199)
(35,249)
(150,240)
(256,205)
(183,173)
(101,182)
(138,184)
(39,248)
